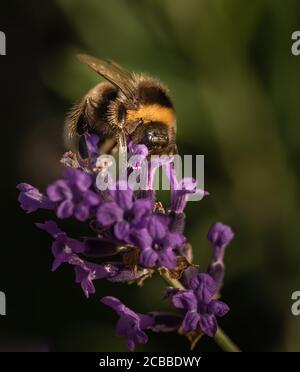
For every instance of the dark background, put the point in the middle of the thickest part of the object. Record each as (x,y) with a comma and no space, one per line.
(235,85)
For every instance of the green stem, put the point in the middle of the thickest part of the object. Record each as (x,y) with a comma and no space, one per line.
(225,342)
(220,337)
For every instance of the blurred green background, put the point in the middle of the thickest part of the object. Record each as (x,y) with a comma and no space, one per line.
(235,85)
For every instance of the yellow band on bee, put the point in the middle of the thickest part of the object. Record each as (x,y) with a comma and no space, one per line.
(154,112)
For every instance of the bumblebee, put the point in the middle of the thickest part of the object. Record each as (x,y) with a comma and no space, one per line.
(127,107)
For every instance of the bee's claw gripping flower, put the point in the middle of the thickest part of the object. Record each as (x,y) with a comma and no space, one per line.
(131,325)
(220,236)
(201,309)
(137,232)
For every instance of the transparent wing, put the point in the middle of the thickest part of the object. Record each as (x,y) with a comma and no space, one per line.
(112,72)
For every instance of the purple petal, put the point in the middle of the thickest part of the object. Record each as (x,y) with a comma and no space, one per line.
(208,324)
(156,227)
(86,272)
(109,213)
(124,198)
(50,227)
(129,328)
(75,245)
(185,300)
(129,324)
(167,258)
(65,209)
(84,277)
(148,257)
(77,177)
(58,191)
(92,141)
(31,199)
(122,194)
(140,209)
(190,321)
(81,212)
(91,198)
(60,251)
(83,181)
(114,303)
(204,287)
(140,238)
(220,235)
(174,240)
(137,149)
(121,230)
(118,306)
(218,308)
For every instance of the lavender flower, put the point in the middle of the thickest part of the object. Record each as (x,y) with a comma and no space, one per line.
(138,153)
(131,325)
(73,195)
(156,162)
(66,250)
(63,247)
(141,236)
(92,141)
(158,245)
(87,272)
(180,190)
(200,307)
(31,199)
(124,212)
(220,236)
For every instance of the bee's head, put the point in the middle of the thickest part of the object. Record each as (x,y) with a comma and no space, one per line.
(154,135)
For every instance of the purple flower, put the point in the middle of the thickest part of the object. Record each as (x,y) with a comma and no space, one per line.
(220,236)
(201,309)
(131,325)
(138,153)
(63,247)
(180,190)
(155,163)
(73,195)
(92,141)
(157,243)
(124,212)
(31,199)
(87,272)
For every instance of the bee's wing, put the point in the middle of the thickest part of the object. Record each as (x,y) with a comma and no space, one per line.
(112,72)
